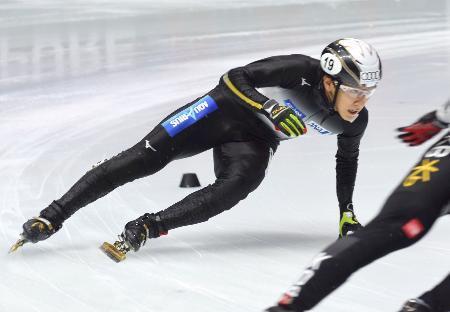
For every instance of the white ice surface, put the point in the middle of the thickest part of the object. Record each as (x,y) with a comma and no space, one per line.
(81,81)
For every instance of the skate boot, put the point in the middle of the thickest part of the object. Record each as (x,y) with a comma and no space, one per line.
(134,236)
(40,228)
(416,305)
(348,224)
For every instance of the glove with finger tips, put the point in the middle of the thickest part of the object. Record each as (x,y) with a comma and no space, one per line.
(285,119)
(422,130)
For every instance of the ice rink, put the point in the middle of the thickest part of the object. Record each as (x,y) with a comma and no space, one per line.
(82,80)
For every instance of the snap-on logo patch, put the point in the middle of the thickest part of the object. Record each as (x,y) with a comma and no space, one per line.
(189,116)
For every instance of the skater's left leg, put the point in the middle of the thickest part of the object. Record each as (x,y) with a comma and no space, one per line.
(163,144)
(239,166)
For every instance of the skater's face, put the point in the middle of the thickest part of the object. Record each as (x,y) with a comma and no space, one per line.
(349,101)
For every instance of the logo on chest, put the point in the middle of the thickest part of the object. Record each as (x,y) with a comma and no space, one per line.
(305,83)
(311,124)
(318,128)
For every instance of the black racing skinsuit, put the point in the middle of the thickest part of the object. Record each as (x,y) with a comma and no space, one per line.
(407,215)
(226,120)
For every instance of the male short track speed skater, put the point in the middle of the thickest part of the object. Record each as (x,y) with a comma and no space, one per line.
(242,119)
(405,218)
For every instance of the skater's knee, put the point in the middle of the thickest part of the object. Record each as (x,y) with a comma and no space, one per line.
(225,193)
(250,182)
(241,185)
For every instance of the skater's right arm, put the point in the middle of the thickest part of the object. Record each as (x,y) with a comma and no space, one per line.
(277,71)
(283,71)
(427,126)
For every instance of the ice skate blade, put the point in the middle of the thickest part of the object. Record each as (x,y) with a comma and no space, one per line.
(112,252)
(17,245)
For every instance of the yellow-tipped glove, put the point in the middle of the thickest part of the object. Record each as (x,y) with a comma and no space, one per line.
(285,119)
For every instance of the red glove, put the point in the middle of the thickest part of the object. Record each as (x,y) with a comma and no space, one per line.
(422,130)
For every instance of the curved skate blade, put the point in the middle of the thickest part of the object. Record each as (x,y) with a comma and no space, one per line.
(112,252)
(17,245)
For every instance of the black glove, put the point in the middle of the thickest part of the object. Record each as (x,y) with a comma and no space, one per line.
(285,119)
(422,130)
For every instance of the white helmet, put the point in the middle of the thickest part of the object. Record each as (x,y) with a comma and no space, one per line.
(352,62)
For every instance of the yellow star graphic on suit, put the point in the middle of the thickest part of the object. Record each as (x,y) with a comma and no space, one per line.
(421,172)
